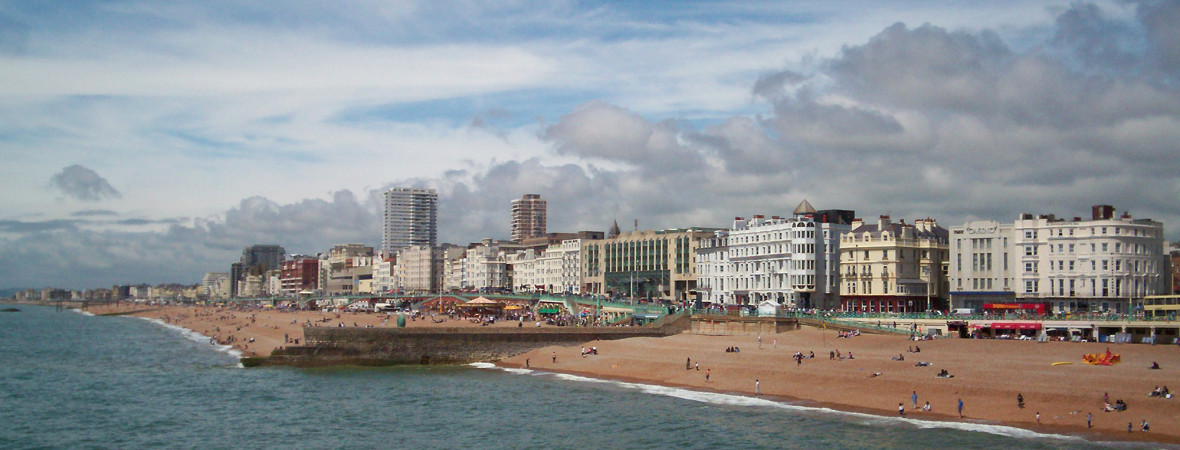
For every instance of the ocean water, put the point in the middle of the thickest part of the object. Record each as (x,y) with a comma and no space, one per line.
(70,380)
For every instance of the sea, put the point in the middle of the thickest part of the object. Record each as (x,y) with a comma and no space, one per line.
(73,380)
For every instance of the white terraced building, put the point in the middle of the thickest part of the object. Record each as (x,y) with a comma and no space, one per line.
(791,261)
(555,270)
(1107,263)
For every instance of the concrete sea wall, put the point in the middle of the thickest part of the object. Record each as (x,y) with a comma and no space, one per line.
(736,325)
(387,346)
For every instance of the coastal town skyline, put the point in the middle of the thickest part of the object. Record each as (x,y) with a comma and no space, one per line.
(150,144)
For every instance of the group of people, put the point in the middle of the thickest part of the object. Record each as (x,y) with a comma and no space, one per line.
(1160,392)
(848,334)
(836,355)
(798,357)
(1119,405)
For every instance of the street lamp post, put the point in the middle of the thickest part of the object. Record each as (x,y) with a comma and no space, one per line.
(929,275)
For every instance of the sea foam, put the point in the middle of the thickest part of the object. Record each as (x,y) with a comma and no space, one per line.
(484,365)
(198,337)
(84,313)
(747,401)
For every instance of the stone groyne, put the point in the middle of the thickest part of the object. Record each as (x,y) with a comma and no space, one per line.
(389,346)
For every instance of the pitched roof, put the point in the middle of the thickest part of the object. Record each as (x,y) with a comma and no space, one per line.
(804,208)
(614,230)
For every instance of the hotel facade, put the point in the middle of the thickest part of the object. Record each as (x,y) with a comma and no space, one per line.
(1104,264)
(892,266)
(792,262)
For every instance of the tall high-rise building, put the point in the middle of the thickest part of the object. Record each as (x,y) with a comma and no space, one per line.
(528,217)
(256,260)
(411,218)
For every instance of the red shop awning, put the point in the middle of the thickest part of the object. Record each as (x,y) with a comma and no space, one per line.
(1017,326)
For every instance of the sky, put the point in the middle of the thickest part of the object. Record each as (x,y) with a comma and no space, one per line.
(151,141)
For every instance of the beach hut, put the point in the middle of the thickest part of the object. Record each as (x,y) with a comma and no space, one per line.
(768,308)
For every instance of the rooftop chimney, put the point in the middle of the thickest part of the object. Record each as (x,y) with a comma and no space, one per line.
(1102,212)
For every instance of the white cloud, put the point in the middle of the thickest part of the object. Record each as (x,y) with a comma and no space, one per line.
(675,116)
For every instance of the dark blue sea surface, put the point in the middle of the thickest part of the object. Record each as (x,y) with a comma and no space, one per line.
(69,380)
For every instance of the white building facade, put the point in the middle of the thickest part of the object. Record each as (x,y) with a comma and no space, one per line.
(383,281)
(1105,264)
(791,261)
(415,269)
(556,270)
(485,268)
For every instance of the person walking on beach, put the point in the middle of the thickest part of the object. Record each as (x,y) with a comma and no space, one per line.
(759,341)
(914,399)
(1020,400)
(688,363)
(1089,417)
(757,387)
(554,357)
(901,409)
(960,408)
(1038,417)
(526,363)
(707,375)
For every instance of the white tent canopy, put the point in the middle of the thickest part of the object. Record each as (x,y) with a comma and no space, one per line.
(768,308)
